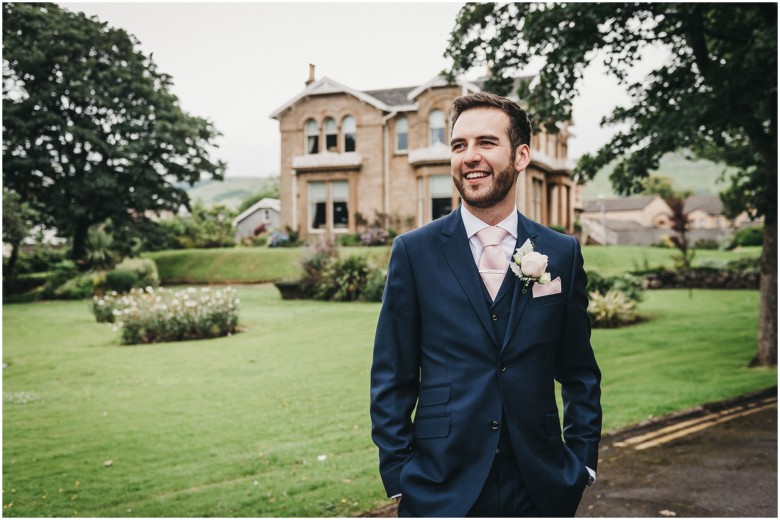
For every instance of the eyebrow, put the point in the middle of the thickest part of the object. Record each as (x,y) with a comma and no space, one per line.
(489,137)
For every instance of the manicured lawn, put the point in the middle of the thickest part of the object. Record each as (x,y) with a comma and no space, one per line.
(274,421)
(263,264)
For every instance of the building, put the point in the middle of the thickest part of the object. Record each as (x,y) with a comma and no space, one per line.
(638,220)
(351,159)
(262,215)
(706,212)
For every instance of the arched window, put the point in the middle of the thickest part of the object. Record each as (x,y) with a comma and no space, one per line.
(350,131)
(401,134)
(331,135)
(312,137)
(436,127)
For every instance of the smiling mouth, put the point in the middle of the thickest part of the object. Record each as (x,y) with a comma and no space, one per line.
(470,176)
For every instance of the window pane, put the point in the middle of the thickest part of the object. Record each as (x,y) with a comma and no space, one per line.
(401,134)
(340,190)
(340,215)
(317,205)
(441,207)
(312,137)
(441,186)
(331,135)
(350,130)
(436,127)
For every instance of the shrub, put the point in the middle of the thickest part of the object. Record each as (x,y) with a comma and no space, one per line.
(314,262)
(611,310)
(348,240)
(749,236)
(375,286)
(278,239)
(628,284)
(144,268)
(374,237)
(79,287)
(703,243)
(62,272)
(119,280)
(343,280)
(161,315)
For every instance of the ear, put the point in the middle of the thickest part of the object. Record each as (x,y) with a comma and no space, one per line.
(522,157)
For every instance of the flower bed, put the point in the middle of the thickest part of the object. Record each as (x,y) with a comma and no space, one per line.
(158,315)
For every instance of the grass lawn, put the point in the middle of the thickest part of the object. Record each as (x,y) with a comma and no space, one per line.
(274,421)
(263,264)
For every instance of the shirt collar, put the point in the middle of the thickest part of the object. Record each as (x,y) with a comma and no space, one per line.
(475,225)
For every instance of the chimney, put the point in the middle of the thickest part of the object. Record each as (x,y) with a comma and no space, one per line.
(311,75)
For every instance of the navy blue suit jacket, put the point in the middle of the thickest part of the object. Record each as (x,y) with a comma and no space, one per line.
(436,355)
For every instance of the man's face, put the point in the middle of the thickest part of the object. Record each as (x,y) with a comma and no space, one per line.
(484,169)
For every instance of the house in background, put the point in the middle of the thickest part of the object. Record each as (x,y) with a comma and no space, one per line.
(353,158)
(646,220)
(706,212)
(263,213)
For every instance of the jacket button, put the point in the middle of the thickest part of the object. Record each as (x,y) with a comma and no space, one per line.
(494,317)
(502,367)
(495,425)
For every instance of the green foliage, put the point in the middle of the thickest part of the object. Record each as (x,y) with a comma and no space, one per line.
(91,129)
(707,97)
(156,316)
(343,280)
(611,310)
(99,250)
(314,262)
(559,229)
(628,284)
(144,268)
(61,273)
(662,186)
(40,258)
(749,236)
(270,191)
(119,280)
(375,286)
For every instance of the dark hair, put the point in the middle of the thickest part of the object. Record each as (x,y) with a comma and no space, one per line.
(519,127)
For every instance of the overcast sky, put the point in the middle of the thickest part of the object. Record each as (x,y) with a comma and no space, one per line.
(235,63)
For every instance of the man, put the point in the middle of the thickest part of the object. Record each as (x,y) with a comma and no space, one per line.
(476,346)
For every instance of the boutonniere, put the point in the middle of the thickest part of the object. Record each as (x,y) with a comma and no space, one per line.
(530,266)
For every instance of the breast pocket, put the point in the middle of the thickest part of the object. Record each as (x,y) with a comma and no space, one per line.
(546,300)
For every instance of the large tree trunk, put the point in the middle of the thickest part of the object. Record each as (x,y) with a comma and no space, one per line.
(767,317)
(10,268)
(79,247)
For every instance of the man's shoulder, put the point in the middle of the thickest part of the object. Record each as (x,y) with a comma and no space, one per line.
(424,234)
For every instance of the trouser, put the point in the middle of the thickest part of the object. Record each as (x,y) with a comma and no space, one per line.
(504,493)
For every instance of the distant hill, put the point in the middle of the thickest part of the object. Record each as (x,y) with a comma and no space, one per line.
(229,192)
(701,177)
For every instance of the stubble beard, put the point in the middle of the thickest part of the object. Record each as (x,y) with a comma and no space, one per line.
(503,182)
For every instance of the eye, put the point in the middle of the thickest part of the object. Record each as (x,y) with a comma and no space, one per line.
(458,146)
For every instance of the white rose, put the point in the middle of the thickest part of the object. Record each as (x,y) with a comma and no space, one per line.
(534,264)
(545,279)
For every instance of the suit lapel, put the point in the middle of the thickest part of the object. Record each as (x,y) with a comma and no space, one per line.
(519,300)
(458,255)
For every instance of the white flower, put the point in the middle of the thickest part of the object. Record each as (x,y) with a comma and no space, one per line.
(533,264)
(545,278)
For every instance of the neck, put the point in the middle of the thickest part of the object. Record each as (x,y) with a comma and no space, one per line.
(494,214)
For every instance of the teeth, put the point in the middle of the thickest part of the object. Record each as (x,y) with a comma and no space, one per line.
(476,175)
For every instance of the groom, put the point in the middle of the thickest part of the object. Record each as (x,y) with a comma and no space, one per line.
(473,345)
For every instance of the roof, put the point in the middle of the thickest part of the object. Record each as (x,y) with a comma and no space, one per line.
(710,204)
(266,203)
(391,96)
(619,204)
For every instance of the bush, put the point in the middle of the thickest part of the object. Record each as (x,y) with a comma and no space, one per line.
(628,284)
(161,315)
(279,239)
(749,236)
(61,273)
(706,244)
(374,237)
(119,280)
(343,280)
(375,286)
(79,287)
(144,268)
(611,310)
(348,240)
(314,262)
(42,258)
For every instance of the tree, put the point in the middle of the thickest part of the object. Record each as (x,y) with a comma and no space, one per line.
(17,218)
(662,186)
(91,130)
(715,95)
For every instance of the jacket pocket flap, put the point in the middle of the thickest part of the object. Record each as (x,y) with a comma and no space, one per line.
(432,426)
(434,395)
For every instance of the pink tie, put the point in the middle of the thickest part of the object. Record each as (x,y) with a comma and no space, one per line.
(493,263)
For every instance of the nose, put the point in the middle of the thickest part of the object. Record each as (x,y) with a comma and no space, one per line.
(472,156)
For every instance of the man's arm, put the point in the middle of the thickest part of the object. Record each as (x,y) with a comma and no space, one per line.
(577,371)
(395,369)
